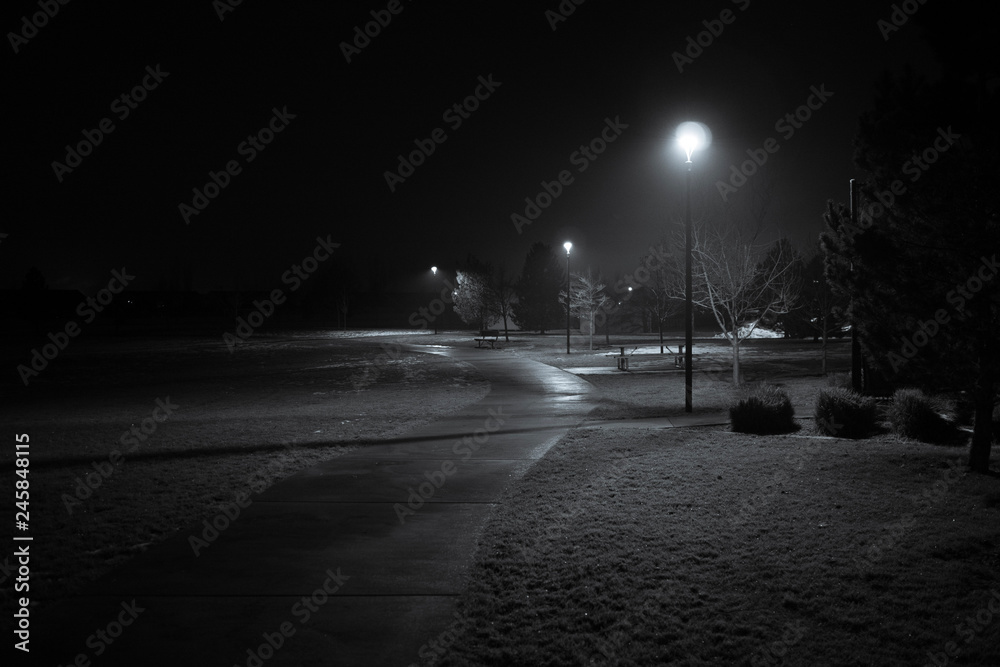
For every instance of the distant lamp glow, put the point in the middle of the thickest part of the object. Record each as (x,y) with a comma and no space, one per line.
(568,246)
(434,270)
(693,136)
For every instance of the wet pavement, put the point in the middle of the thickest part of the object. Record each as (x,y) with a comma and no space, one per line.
(356,561)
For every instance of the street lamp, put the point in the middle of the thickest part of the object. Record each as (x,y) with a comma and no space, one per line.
(690,136)
(434,271)
(568,246)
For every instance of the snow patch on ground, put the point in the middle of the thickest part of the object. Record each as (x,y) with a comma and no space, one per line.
(759,332)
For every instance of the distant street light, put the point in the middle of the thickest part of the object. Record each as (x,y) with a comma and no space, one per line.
(568,246)
(691,136)
(434,271)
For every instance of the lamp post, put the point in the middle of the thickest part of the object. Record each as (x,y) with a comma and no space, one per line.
(434,271)
(691,136)
(568,247)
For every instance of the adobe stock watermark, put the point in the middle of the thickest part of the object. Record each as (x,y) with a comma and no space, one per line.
(607,652)
(103,638)
(257,482)
(926,330)
(88,310)
(972,627)
(895,532)
(425,315)
(767,492)
(223,7)
(31,25)
(218,524)
(775,652)
(381,18)
(302,611)
(787,125)
(436,478)
(122,106)
(582,158)
(540,545)
(136,435)
(420,318)
(249,149)
(435,649)
(294,277)
(227,516)
(370,374)
(630,283)
(901,13)
(714,28)
(915,168)
(454,115)
(563,12)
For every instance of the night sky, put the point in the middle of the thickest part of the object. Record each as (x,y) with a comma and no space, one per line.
(343,124)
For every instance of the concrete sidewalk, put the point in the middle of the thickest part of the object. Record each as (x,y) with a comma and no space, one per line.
(357,561)
(676,421)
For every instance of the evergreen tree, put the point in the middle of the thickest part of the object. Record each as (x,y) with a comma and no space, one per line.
(538,307)
(474,296)
(920,263)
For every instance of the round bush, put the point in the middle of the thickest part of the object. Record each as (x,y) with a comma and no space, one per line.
(845,414)
(762,409)
(914,415)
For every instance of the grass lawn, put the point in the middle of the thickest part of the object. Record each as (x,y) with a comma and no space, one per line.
(242,423)
(699,546)
(628,546)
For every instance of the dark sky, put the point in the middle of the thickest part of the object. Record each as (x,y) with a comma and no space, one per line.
(323,174)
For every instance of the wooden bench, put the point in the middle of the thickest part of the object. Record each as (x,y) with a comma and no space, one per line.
(490,336)
(622,360)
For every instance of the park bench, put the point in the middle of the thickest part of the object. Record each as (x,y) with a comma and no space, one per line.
(490,336)
(622,360)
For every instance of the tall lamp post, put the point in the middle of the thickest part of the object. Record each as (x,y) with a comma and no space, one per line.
(434,272)
(568,247)
(691,136)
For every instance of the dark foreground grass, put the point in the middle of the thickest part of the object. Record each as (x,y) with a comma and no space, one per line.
(627,546)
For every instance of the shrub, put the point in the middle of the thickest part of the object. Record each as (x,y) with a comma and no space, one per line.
(762,408)
(841,380)
(915,415)
(845,414)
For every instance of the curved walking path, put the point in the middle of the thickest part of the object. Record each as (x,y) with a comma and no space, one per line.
(391,562)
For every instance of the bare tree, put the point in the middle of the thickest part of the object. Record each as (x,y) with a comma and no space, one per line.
(587,297)
(503,297)
(740,283)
